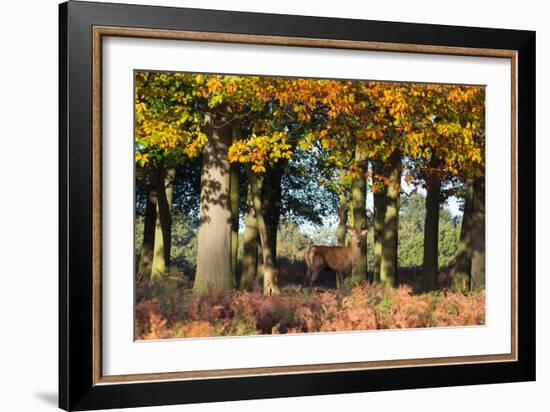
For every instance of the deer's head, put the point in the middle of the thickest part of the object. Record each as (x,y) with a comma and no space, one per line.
(356,234)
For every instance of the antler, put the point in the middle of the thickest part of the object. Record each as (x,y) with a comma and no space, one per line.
(341,212)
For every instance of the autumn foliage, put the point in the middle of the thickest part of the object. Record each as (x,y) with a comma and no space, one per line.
(171,311)
(239,154)
(337,114)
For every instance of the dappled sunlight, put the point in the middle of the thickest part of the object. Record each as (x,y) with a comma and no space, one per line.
(274,205)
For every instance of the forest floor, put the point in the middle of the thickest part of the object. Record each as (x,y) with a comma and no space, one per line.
(169,309)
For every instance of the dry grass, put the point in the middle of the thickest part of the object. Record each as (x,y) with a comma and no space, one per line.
(170,310)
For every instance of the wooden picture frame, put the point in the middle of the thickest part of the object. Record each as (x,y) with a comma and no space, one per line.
(82,385)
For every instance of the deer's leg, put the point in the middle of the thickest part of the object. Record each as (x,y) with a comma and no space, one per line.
(307,277)
(317,265)
(340,279)
(308,262)
(312,277)
(314,274)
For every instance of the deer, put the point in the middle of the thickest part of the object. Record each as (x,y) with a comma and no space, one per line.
(339,259)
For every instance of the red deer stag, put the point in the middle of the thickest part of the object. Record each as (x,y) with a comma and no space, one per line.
(339,259)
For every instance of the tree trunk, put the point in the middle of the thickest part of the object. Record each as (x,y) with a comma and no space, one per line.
(342,211)
(234,198)
(163,225)
(359,204)
(272,203)
(342,215)
(388,261)
(259,260)
(478,236)
(379,216)
(145,263)
(259,256)
(214,237)
(270,273)
(463,265)
(250,246)
(430,280)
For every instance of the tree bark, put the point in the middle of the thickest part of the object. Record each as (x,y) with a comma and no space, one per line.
(145,263)
(388,261)
(272,203)
(463,265)
(342,211)
(163,225)
(430,279)
(379,217)
(359,205)
(478,236)
(259,260)
(234,198)
(342,215)
(270,273)
(214,237)
(250,246)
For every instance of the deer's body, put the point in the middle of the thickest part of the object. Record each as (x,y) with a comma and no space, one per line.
(339,259)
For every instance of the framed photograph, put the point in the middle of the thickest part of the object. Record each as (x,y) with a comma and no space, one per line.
(256,205)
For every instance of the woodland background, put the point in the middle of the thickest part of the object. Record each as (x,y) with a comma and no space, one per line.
(231,169)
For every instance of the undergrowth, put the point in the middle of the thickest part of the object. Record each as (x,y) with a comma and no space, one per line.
(170,310)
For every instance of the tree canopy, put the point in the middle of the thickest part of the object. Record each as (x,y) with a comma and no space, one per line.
(310,148)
